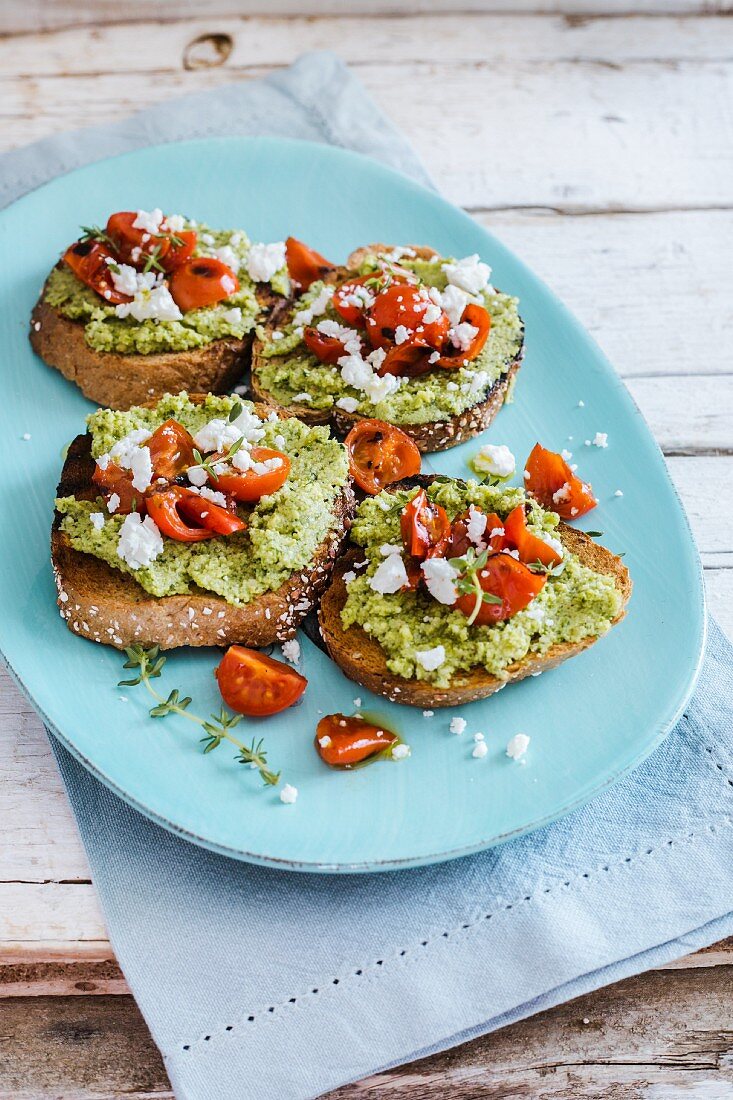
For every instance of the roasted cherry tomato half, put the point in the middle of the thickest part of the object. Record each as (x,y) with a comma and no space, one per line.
(253,684)
(171,450)
(163,505)
(249,485)
(88,261)
(460,542)
(202,282)
(425,527)
(328,349)
(480,319)
(511,582)
(132,245)
(404,305)
(406,360)
(305,265)
(551,481)
(380,454)
(353,298)
(212,517)
(115,481)
(182,247)
(531,548)
(343,741)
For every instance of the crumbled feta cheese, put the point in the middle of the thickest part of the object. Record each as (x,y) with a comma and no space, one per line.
(469,274)
(349,576)
(428,713)
(478,737)
(150,303)
(149,221)
(113,503)
(26,436)
(400,752)
(476,526)
(316,308)
(197,475)
(97,520)
(496,460)
(462,335)
(357,702)
(141,466)
(175,223)
(289,794)
(517,746)
(440,577)
(324,741)
(581,404)
(213,496)
(232,316)
(453,301)
(457,725)
(401,334)
(480,750)
(566,455)
(126,280)
(618,493)
(291,650)
(302,397)
(390,548)
(562,494)
(123,451)
(600,439)
(390,576)
(348,404)
(265,260)
(140,541)
(430,659)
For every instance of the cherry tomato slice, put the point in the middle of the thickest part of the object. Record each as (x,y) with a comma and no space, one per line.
(353,298)
(163,507)
(531,548)
(380,454)
(212,517)
(115,481)
(406,360)
(182,248)
(253,684)
(171,450)
(249,485)
(305,265)
(202,282)
(480,319)
(328,349)
(425,527)
(406,306)
(508,579)
(555,486)
(460,542)
(133,245)
(88,261)
(343,741)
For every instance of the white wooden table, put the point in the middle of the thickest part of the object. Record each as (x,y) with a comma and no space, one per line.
(600,148)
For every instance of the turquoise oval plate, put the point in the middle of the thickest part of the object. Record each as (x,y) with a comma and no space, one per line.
(590,721)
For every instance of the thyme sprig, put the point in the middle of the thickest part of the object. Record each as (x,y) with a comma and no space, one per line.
(217,728)
(152,261)
(468,582)
(94,233)
(208,465)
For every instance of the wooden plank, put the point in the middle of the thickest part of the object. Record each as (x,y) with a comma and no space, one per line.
(594,116)
(657,1036)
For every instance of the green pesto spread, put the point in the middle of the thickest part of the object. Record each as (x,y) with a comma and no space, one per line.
(233,318)
(576,604)
(290,369)
(284,529)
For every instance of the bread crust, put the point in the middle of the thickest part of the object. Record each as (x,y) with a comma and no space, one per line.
(435,435)
(362,659)
(120,381)
(108,606)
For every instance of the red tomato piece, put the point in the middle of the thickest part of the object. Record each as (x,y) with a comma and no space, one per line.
(425,527)
(460,542)
(163,505)
(254,684)
(328,349)
(480,319)
(403,305)
(212,517)
(115,481)
(551,481)
(249,485)
(305,265)
(380,454)
(88,261)
(531,548)
(342,741)
(202,282)
(182,248)
(171,450)
(406,360)
(353,298)
(132,245)
(507,579)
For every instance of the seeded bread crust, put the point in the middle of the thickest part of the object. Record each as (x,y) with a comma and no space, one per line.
(362,659)
(108,606)
(436,435)
(120,381)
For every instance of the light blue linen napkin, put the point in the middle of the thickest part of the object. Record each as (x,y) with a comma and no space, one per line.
(266,985)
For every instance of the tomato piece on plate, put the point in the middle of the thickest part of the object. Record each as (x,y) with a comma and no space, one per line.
(182,248)
(171,450)
(551,481)
(254,684)
(380,454)
(328,349)
(460,542)
(531,548)
(342,741)
(406,360)
(510,582)
(202,282)
(211,516)
(115,481)
(253,484)
(401,305)
(163,507)
(305,265)
(425,527)
(133,245)
(354,297)
(480,319)
(88,261)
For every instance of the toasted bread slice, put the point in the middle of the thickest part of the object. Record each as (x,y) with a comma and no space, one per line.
(108,606)
(362,659)
(119,381)
(436,435)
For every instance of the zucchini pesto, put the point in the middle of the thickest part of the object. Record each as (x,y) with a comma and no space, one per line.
(358,382)
(256,546)
(423,635)
(126,294)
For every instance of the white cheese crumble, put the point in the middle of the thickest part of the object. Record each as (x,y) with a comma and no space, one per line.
(197,475)
(457,725)
(480,749)
(141,466)
(390,576)
(618,493)
(265,260)
(476,526)
(289,794)
(496,460)
(219,434)
(430,659)
(232,316)
(469,274)
(566,455)
(400,752)
(324,741)
(348,404)
(440,577)
(113,503)
(600,439)
(453,301)
(349,577)
(517,746)
(388,548)
(462,335)
(401,334)
(97,520)
(315,309)
(291,651)
(148,220)
(150,303)
(302,397)
(140,541)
